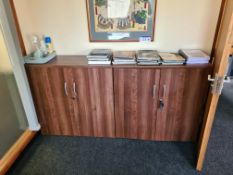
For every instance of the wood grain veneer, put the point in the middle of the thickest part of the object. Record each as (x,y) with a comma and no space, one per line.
(135,103)
(17,26)
(119,101)
(54,111)
(95,101)
(81,61)
(139,116)
(90,113)
(184,93)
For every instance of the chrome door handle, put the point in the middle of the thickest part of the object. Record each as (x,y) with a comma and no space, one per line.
(164,90)
(154,91)
(65,89)
(74,91)
(210,79)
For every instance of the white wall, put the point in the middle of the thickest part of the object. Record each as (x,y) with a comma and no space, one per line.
(179,24)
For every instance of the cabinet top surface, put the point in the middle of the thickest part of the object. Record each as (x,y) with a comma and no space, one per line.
(81,61)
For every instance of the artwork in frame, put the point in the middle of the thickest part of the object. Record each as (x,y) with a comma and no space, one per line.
(121,20)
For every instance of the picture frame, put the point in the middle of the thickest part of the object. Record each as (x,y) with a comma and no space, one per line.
(135,22)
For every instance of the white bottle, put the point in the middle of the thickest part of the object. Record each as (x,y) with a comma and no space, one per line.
(37,52)
(43,48)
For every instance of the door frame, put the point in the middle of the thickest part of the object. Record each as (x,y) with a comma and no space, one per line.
(11,39)
(221,54)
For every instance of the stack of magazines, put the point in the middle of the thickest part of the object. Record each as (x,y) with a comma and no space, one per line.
(195,56)
(100,56)
(171,59)
(124,57)
(148,57)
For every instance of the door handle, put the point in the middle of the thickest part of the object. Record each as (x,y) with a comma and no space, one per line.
(65,89)
(161,104)
(164,90)
(74,91)
(217,83)
(154,91)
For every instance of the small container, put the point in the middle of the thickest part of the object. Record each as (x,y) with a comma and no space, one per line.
(48,43)
(43,48)
(37,52)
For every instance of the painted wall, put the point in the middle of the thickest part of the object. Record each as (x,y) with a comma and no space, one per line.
(179,24)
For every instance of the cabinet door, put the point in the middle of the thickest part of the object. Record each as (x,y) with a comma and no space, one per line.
(102,101)
(47,86)
(184,93)
(136,94)
(91,90)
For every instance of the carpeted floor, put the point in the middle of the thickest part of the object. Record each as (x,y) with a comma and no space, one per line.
(90,156)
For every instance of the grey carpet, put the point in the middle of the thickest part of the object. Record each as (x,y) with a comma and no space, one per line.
(90,156)
(219,159)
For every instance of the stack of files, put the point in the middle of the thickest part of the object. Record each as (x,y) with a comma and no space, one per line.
(195,56)
(171,59)
(100,56)
(148,57)
(124,57)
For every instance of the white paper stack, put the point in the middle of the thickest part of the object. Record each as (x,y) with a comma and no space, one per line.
(124,57)
(195,56)
(100,56)
(148,57)
(171,59)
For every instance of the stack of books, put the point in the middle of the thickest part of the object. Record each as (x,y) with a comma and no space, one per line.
(148,57)
(195,56)
(171,59)
(124,57)
(100,56)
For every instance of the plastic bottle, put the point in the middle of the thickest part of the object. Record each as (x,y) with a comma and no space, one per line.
(37,52)
(43,47)
(48,43)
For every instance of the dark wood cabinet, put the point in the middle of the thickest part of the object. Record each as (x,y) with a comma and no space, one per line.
(136,94)
(53,109)
(94,88)
(74,101)
(159,104)
(183,93)
(164,103)
(102,101)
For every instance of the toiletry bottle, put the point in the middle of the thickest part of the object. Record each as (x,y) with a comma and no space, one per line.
(48,43)
(37,52)
(43,47)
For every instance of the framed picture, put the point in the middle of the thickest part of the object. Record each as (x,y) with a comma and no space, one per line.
(121,20)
